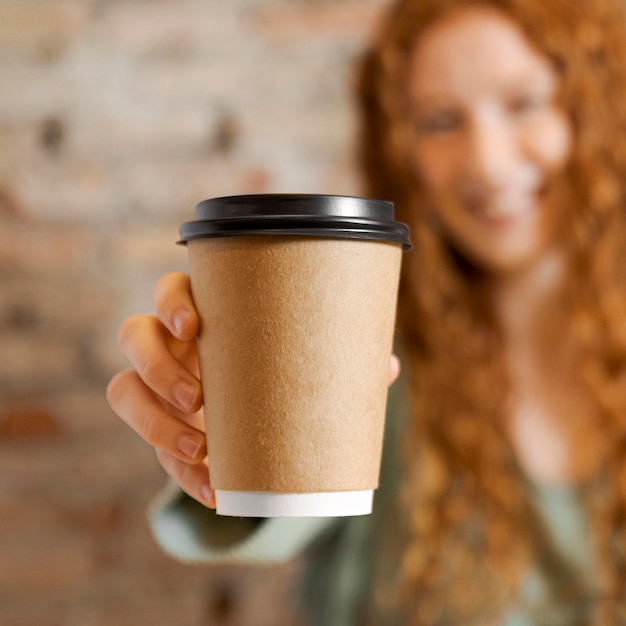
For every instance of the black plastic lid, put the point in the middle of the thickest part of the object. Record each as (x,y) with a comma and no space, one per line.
(345,217)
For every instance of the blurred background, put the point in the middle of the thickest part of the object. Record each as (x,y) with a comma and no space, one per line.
(116,118)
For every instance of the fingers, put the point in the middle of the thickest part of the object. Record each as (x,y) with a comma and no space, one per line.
(140,408)
(193,479)
(394,369)
(160,396)
(175,307)
(146,343)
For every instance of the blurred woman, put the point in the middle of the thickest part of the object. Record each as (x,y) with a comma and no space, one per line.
(495,126)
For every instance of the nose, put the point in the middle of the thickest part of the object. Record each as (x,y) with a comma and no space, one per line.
(492,154)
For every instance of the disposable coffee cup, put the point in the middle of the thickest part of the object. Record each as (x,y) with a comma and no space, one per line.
(297,300)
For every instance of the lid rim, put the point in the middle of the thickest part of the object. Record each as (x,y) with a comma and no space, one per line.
(318,233)
(293,204)
(296,214)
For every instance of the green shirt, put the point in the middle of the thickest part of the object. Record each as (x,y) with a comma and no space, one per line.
(341,553)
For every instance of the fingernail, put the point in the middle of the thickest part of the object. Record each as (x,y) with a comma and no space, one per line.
(208,495)
(180,319)
(185,395)
(190,446)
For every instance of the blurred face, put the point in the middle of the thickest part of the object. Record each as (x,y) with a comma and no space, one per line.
(489,136)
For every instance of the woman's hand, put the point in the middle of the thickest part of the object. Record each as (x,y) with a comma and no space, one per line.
(394,369)
(160,395)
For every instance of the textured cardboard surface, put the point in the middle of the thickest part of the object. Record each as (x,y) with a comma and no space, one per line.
(295,339)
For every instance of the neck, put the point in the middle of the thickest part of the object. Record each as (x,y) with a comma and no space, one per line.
(526,301)
(550,416)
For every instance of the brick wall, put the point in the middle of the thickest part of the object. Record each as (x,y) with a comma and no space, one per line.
(116,117)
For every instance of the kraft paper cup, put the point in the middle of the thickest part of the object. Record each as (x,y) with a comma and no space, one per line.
(296,296)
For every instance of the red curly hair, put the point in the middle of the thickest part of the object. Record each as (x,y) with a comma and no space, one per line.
(465,495)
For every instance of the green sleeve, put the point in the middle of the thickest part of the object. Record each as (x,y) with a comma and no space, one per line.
(193,533)
(340,553)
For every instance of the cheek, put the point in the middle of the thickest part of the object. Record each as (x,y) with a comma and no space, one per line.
(435,166)
(551,143)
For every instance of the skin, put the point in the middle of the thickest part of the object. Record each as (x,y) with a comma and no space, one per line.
(160,396)
(490,137)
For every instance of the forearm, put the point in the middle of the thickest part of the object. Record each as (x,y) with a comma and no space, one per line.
(190,532)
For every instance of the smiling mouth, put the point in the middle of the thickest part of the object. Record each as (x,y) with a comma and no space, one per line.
(506,210)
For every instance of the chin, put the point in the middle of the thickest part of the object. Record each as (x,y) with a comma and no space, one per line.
(509,262)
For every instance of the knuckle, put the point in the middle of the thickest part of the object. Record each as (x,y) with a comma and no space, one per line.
(171,291)
(152,429)
(170,464)
(115,389)
(163,288)
(188,476)
(161,284)
(185,476)
(128,329)
(167,462)
(150,369)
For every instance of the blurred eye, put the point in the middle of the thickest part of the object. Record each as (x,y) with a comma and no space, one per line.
(439,122)
(529,103)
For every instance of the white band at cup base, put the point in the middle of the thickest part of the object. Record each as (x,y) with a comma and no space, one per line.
(269,504)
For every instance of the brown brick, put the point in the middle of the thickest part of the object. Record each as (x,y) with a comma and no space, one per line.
(116,117)
(329,19)
(39,29)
